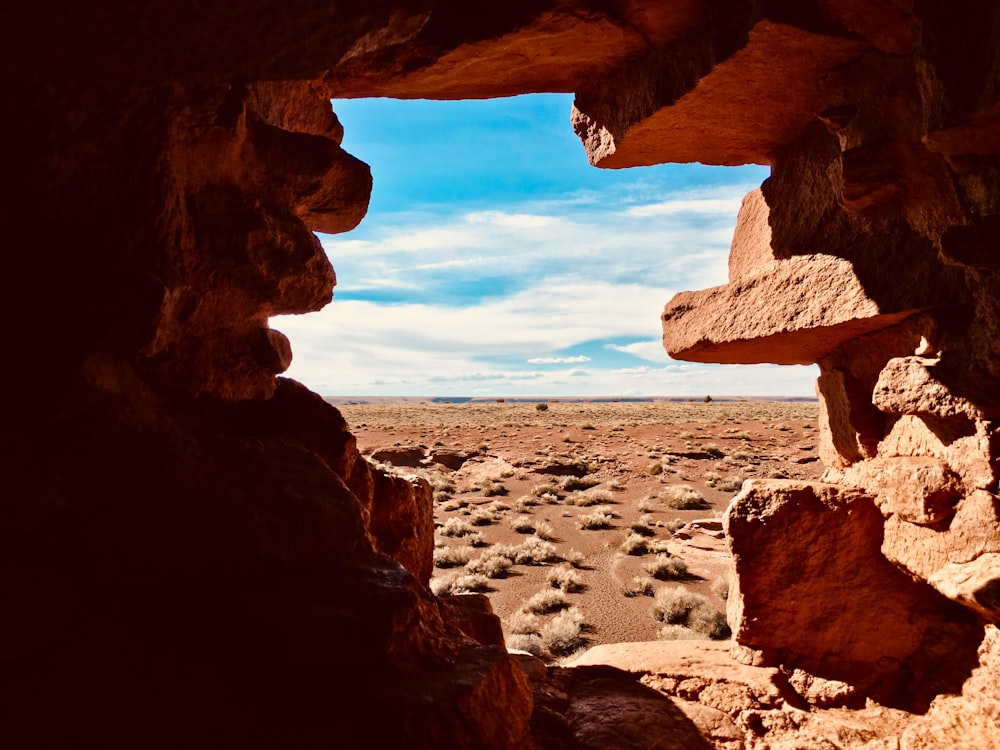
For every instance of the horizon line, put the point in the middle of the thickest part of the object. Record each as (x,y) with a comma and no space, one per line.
(555,399)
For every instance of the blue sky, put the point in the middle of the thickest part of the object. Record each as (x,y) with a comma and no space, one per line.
(494,260)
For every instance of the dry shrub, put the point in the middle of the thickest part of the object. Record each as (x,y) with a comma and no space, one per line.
(472,582)
(561,635)
(665,567)
(575,558)
(544,530)
(491,488)
(441,586)
(683,497)
(452,557)
(635,544)
(673,526)
(547,488)
(482,518)
(528,642)
(532,551)
(642,527)
(571,483)
(524,623)
(641,586)
(522,525)
(599,519)
(476,539)
(713,450)
(590,497)
(654,468)
(546,601)
(492,563)
(457,527)
(678,633)
(497,506)
(565,578)
(732,483)
(677,606)
(522,504)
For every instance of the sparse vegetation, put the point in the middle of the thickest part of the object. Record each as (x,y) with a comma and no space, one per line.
(492,563)
(732,483)
(525,503)
(528,642)
(575,558)
(491,488)
(482,518)
(565,578)
(532,551)
(522,525)
(677,606)
(547,488)
(641,586)
(670,632)
(635,544)
(683,497)
(546,601)
(599,519)
(456,527)
(452,557)
(595,472)
(571,483)
(642,527)
(665,567)
(561,635)
(544,530)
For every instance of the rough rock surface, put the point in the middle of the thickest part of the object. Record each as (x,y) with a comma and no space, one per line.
(842,611)
(737,706)
(787,311)
(191,551)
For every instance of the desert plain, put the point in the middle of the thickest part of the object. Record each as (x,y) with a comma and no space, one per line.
(585,521)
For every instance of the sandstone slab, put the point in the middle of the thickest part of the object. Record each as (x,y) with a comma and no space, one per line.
(783,311)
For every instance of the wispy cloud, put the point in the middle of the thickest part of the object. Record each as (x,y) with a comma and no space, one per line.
(558,360)
(651,350)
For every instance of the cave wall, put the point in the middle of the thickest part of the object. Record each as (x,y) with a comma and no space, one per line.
(194,554)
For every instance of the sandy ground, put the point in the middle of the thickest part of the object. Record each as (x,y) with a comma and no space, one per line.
(505,456)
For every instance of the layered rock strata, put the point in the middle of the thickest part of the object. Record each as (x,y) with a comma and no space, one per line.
(193,554)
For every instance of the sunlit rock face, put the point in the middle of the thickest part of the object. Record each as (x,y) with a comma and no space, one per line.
(194,554)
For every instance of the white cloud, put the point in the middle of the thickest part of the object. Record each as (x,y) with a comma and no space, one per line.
(698,206)
(510,220)
(651,350)
(558,360)
(561,273)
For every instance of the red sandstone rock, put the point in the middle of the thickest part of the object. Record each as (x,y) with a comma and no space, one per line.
(813,591)
(792,311)
(694,120)
(735,705)
(473,614)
